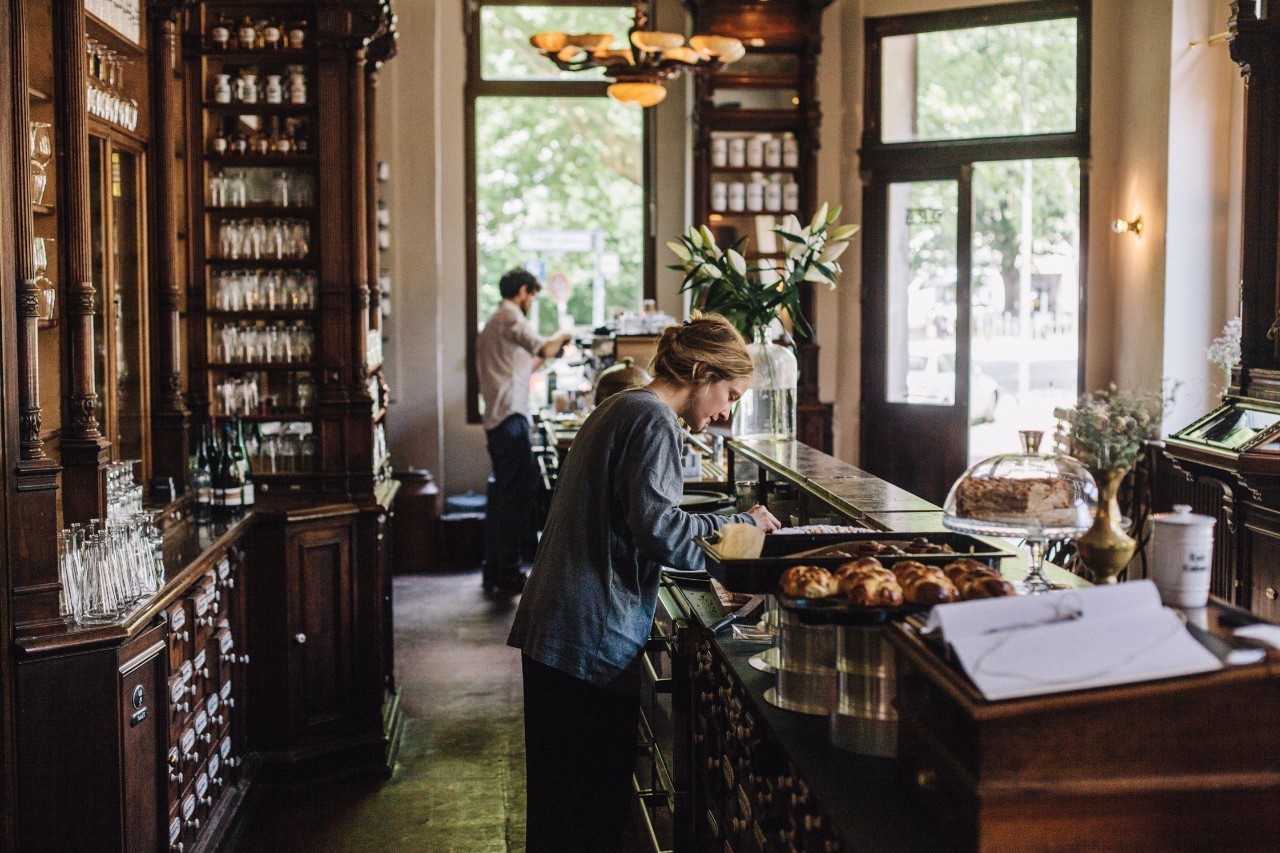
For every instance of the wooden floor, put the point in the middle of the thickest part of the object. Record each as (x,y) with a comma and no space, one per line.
(459,785)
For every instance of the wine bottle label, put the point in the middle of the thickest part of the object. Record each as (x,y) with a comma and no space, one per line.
(219,497)
(204,496)
(234,497)
(246,494)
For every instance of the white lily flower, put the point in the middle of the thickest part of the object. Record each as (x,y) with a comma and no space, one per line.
(819,218)
(710,271)
(831,252)
(815,274)
(738,262)
(695,237)
(679,250)
(791,224)
(844,232)
(835,214)
(709,241)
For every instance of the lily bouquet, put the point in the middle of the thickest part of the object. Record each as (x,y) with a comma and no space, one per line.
(752,295)
(1106,429)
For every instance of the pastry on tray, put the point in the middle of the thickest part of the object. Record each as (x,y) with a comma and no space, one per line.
(923,584)
(808,582)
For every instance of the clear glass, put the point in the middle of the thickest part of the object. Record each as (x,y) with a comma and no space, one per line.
(127,312)
(1030,495)
(1026,73)
(920,338)
(1024,299)
(768,408)
(505,52)
(1233,428)
(569,207)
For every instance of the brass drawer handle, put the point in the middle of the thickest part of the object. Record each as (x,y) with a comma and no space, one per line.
(927,779)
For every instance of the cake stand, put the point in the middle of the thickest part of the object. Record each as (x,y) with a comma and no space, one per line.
(1061,522)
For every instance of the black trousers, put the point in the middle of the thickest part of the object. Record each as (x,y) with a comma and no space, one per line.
(509,515)
(580,747)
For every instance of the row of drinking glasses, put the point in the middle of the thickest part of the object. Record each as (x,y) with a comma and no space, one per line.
(264,239)
(242,343)
(233,188)
(255,290)
(283,448)
(108,569)
(46,290)
(41,137)
(243,395)
(124,493)
(106,98)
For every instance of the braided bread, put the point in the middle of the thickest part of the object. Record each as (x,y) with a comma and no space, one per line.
(923,584)
(808,582)
(862,564)
(871,587)
(975,580)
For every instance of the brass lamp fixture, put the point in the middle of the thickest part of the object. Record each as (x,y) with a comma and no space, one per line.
(1124,226)
(640,72)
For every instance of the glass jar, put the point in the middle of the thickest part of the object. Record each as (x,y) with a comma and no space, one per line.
(768,408)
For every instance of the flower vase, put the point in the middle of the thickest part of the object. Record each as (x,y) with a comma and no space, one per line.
(1105,549)
(768,409)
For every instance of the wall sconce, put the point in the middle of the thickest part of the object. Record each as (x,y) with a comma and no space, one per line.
(1120,226)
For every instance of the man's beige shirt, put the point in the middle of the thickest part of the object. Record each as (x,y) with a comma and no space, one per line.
(504,360)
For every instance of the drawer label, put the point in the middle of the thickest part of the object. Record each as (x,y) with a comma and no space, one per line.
(177,689)
(728,772)
(188,742)
(202,722)
(214,703)
(225,692)
(187,670)
(201,660)
(759,836)
(202,604)
(175,830)
(224,749)
(224,568)
(177,618)
(215,764)
(202,785)
(188,807)
(225,643)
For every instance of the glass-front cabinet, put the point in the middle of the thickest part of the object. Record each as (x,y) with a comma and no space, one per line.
(1240,436)
(118,253)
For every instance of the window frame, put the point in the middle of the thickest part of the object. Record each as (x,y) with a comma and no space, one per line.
(477,87)
(884,163)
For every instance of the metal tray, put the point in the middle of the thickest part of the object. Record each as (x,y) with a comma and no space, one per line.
(761,574)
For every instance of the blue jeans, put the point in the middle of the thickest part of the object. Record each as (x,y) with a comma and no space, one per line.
(509,515)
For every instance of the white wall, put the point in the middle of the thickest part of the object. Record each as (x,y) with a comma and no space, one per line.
(1137,166)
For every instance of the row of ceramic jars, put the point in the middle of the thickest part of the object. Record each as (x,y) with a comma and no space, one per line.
(246,89)
(260,35)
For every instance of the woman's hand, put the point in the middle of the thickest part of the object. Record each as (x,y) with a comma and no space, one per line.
(763,518)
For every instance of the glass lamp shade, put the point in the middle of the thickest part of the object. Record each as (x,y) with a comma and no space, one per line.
(656,42)
(638,93)
(549,42)
(687,55)
(722,48)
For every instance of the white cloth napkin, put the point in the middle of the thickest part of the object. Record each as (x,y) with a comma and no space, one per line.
(1070,640)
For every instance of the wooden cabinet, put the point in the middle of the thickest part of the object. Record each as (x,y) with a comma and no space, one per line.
(755,148)
(315,633)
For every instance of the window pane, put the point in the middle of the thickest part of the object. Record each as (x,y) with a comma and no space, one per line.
(920,339)
(564,199)
(1026,74)
(1024,298)
(505,52)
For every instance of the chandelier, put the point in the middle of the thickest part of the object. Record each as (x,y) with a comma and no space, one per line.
(640,71)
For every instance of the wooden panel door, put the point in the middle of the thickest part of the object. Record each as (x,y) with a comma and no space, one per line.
(915,331)
(320,619)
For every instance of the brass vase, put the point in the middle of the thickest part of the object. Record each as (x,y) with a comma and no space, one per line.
(1105,549)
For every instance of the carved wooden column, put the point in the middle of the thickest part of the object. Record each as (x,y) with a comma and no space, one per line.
(371,195)
(170,418)
(84,449)
(360,250)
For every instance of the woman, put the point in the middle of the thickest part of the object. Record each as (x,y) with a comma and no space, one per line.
(615,521)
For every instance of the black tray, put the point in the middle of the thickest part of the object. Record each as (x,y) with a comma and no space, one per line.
(761,574)
(837,611)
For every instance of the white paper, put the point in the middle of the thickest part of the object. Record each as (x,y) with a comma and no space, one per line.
(1261,633)
(1070,640)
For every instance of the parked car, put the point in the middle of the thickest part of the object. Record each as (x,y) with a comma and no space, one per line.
(931,379)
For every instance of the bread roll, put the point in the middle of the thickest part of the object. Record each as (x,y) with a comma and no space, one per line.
(959,568)
(872,588)
(861,564)
(808,582)
(923,584)
(985,585)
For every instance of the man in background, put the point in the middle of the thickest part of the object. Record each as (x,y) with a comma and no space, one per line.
(508,352)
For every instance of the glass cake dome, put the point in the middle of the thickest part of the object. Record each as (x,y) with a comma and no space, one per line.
(1027,495)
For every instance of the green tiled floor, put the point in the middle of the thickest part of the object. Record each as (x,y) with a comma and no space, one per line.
(459,785)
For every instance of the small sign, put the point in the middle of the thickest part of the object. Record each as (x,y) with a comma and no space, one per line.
(549,240)
(559,287)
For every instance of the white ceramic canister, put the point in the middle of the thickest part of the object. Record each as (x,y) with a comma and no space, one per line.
(274,90)
(737,152)
(773,197)
(719,195)
(791,196)
(773,152)
(1181,556)
(737,196)
(755,195)
(222,88)
(755,152)
(719,152)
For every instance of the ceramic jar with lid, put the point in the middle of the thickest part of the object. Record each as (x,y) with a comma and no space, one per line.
(1182,556)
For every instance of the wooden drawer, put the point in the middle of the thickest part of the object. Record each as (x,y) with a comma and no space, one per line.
(177,776)
(179,637)
(204,613)
(176,844)
(180,700)
(191,822)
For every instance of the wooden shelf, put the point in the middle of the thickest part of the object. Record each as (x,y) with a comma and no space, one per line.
(43,209)
(259,263)
(293,417)
(266,55)
(260,109)
(36,95)
(113,38)
(263,366)
(300,212)
(264,314)
(248,161)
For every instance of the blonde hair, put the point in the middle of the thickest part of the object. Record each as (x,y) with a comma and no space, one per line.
(708,340)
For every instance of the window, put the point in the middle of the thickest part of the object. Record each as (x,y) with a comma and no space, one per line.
(557,175)
(977,122)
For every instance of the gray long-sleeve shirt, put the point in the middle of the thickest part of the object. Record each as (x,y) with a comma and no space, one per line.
(615,521)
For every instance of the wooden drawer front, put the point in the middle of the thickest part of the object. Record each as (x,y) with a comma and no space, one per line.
(178,775)
(1262,558)
(180,700)
(176,844)
(142,701)
(189,749)
(191,821)
(209,586)
(228,704)
(205,616)
(179,634)
(214,772)
(226,574)
(203,732)
(203,680)
(230,759)
(214,711)
(204,801)
(222,654)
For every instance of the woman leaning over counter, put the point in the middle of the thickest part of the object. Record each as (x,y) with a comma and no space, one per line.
(615,521)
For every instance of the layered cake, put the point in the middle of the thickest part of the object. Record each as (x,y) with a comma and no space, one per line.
(1030,502)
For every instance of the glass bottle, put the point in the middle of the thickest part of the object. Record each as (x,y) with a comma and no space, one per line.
(201,486)
(247,497)
(298,35)
(217,479)
(248,34)
(232,476)
(221,33)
